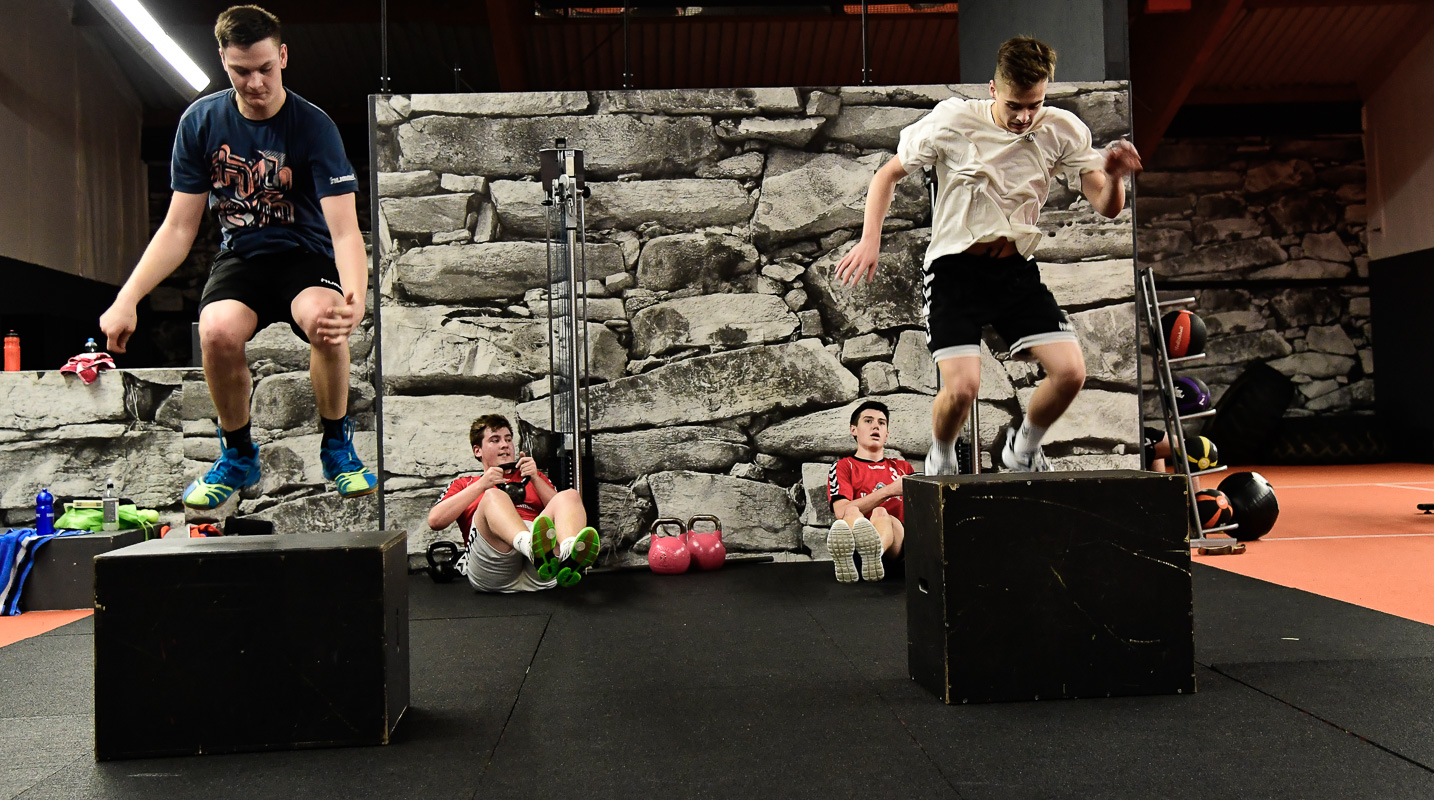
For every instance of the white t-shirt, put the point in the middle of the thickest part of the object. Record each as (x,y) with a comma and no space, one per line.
(992,182)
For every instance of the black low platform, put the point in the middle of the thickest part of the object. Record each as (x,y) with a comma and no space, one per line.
(773,681)
(250,643)
(1049,585)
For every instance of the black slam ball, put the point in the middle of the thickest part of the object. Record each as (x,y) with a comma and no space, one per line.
(1253,501)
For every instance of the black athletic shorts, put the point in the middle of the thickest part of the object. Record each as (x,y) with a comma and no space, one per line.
(965,292)
(268,284)
(1152,438)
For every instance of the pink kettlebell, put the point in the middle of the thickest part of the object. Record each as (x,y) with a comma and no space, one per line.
(668,554)
(708,551)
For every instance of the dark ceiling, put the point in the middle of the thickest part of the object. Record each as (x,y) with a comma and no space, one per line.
(1220,51)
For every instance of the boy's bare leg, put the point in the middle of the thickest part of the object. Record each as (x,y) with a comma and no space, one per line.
(497,521)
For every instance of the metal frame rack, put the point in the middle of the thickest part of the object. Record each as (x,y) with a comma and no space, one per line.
(565,188)
(1174,420)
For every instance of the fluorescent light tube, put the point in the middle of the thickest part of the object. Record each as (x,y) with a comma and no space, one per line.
(140,21)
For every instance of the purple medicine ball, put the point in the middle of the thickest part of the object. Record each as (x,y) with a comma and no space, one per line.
(1191,395)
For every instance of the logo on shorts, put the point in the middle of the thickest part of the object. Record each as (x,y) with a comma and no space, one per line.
(342,179)
(335,286)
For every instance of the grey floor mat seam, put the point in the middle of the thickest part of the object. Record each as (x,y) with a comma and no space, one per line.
(47,777)
(1222,673)
(512,709)
(884,701)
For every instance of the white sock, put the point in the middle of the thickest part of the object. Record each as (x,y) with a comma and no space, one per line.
(523,543)
(1028,438)
(565,549)
(945,450)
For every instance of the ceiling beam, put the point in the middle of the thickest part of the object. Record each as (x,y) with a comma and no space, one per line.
(1214,96)
(1254,5)
(1394,52)
(1168,53)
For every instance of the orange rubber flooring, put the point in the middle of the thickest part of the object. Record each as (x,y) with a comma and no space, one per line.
(1349,532)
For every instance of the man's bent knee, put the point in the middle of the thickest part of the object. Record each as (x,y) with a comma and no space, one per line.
(878,513)
(223,333)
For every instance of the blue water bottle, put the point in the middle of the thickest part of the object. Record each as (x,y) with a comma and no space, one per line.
(45,512)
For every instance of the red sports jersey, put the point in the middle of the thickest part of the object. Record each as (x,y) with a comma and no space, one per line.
(529,509)
(853,478)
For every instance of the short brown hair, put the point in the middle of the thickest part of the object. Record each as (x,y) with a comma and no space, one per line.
(487,422)
(1023,62)
(246,25)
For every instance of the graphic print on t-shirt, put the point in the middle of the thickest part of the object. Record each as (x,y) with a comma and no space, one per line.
(255,195)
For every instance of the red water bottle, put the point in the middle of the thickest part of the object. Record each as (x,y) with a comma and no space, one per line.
(12,352)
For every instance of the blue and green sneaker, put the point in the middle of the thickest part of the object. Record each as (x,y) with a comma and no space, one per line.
(229,474)
(342,465)
(545,544)
(581,554)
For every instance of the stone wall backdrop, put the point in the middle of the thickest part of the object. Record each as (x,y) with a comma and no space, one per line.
(152,431)
(725,359)
(1269,236)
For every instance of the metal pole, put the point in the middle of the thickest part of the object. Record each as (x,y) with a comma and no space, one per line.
(865,63)
(376,282)
(383,86)
(626,62)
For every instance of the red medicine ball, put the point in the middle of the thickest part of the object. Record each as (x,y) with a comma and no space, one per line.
(1184,333)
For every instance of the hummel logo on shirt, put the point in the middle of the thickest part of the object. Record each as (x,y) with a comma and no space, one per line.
(342,179)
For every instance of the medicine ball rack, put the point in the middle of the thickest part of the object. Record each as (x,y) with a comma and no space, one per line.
(1174,420)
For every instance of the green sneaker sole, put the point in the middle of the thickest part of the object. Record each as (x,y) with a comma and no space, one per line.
(585,552)
(544,542)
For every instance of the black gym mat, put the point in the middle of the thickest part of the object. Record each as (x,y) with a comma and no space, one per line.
(1243,620)
(1383,701)
(465,676)
(775,681)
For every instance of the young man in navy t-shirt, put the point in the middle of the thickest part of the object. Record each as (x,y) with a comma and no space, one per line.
(272,168)
(865,493)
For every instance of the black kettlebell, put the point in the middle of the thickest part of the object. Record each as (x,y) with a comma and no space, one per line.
(517,489)
(442,561)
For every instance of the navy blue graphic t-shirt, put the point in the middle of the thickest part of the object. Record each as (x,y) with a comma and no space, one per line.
(264,178)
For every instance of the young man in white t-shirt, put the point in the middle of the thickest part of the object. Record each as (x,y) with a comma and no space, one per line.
(994,161)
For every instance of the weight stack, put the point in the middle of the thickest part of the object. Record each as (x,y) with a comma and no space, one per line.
(1048,585)
(236,644)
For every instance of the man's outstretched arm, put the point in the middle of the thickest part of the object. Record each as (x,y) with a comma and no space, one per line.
(1105,189)
(166,251)
(861,260)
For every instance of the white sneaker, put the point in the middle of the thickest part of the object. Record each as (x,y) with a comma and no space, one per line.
(842,544)
(868,544)
(937,464)
(1015,462)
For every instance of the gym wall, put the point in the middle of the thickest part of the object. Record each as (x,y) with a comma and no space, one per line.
(1401,157)
(726,362)
(1268,234)
(75,187)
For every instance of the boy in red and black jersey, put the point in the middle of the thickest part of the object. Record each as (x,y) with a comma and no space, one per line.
(520,533)
(865,492)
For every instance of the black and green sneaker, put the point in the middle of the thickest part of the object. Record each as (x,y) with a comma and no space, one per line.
(584,552)
(545,545)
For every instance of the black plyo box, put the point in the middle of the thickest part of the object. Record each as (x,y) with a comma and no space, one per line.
(233,644)
(1049,585)
(63,575)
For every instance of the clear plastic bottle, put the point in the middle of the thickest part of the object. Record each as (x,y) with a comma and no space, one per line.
(111,508)
(92,346)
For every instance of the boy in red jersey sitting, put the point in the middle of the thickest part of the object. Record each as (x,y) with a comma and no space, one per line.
(521,533)
(865,493)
